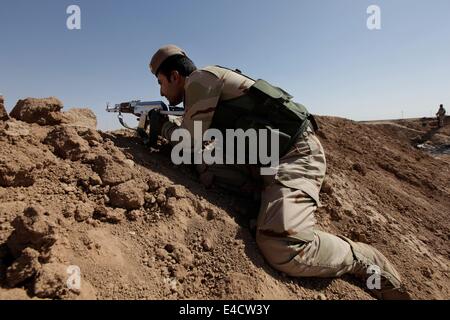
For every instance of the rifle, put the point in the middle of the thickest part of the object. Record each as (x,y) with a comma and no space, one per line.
(148,113)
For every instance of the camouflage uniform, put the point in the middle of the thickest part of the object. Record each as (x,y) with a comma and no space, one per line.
(441,116)
(285,226)
(3,114)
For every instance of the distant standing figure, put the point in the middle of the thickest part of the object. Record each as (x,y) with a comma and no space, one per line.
(441,116)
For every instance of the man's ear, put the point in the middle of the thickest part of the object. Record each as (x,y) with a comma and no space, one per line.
(175,76)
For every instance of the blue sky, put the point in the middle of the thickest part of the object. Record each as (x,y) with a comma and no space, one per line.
(320,51)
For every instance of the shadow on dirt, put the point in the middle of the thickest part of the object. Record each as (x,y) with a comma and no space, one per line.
(427,136)
(423,143)
(241,208)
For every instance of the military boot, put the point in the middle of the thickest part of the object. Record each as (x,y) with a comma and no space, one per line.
(369,263)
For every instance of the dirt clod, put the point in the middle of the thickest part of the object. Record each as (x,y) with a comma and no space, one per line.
(25,267)
(41,111)
(127,195)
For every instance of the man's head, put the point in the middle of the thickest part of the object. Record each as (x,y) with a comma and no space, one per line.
(171,66)
(441,106)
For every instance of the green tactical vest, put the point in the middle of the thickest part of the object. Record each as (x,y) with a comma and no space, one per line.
(265,107)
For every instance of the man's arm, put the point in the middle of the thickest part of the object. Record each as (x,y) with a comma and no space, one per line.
(202,93)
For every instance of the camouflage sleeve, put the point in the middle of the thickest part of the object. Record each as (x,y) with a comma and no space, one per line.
(167,129)
(201,94)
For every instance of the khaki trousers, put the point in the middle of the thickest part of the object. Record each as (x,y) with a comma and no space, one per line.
(286,233)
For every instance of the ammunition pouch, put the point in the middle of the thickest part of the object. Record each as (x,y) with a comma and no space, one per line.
(265,107)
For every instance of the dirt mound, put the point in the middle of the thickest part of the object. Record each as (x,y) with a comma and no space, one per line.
(78,117)
(66,143)
(47,111)
(41,111)
(423,133)
(20,164)
(39,263)
(136,226)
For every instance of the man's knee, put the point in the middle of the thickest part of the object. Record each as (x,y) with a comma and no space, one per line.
(325,256)
(278,252)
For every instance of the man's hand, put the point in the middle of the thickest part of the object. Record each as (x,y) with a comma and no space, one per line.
(158,122)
